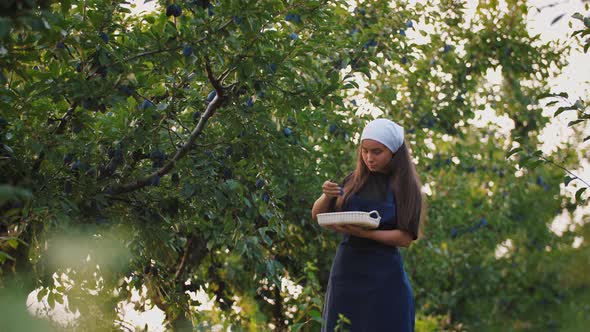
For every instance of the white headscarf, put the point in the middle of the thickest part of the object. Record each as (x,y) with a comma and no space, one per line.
(385,132)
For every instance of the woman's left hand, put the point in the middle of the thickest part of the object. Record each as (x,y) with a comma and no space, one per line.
(352,230)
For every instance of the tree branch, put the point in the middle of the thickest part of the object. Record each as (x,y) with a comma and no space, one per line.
(216,83)
(223,76)
(64,119)
(209,111)
(184,259)
(211,108)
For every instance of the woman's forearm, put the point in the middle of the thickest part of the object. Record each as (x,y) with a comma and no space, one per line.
(394,237)
(321,205)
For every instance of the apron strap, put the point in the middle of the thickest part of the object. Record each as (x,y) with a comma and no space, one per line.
(390,196)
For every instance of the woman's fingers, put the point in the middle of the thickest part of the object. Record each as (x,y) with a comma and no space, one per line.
(348,229)
(331,189)
(339,229)
(332,193)
(332,227)
(330,185)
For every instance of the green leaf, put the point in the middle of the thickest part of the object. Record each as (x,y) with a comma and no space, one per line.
(296,327)
(366,71)
(317,301)
(188,189)
(513,151)
(12,242)
(578,16)
(577,32)
(575,122)
(314,313)
(10,193)
(265,238)
(551,103)
(586,138)
(354,83)
(4,256)
(560,110)
(247,202)
(41,294)
(535,164)
(586,47)
(37,147)
(232,186)
(351,83)
(568,179)
(343,319)
(579,193)
(556,19)
(545,95)
(51,300)
(5,26)
(8,148)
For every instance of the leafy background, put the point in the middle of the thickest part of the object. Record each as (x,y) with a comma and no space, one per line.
(147,158)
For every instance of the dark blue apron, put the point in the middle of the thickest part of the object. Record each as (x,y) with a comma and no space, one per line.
(368,283)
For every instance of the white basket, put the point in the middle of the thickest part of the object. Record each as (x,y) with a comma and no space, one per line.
(357,218)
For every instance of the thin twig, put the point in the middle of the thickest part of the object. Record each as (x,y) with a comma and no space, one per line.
(64,119)
(223,75)
(563,168)
(179,122)
(184,259)
(170,136)
(212,144)
(10,80)
(152,52)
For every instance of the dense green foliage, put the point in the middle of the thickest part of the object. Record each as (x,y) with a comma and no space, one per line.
(190,144)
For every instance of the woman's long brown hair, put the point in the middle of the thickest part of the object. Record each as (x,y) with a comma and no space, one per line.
(406,184)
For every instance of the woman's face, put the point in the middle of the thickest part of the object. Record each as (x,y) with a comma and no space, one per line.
(375,155)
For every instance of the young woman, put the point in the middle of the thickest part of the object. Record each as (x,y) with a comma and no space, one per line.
(368,284)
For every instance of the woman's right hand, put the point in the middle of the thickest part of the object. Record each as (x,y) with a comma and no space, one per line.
(331,189)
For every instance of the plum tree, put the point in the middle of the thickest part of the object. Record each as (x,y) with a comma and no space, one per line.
(185,153)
